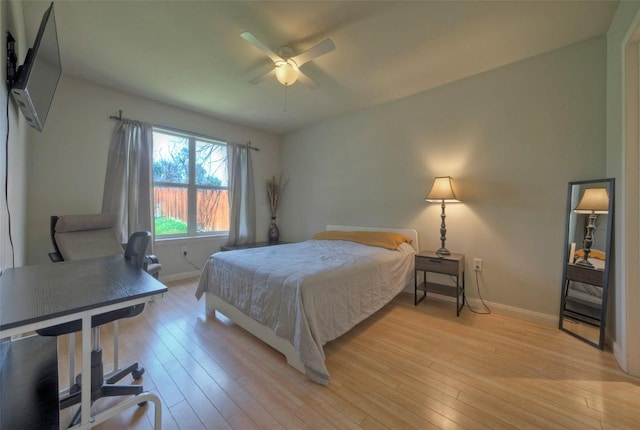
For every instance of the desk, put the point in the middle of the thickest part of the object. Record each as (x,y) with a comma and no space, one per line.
(34,297)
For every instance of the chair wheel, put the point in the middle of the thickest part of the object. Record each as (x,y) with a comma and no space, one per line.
(137,373)
(75,388)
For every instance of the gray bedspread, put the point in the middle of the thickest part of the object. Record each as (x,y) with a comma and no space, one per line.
(310,292)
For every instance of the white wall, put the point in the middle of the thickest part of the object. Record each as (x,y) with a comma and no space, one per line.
(12,246)
(512,138)
(626,337)
(68,161)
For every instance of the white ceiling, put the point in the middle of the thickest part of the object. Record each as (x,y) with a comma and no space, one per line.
(190,53)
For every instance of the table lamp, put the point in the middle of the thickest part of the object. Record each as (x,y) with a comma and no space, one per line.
(442,192)
(594,201)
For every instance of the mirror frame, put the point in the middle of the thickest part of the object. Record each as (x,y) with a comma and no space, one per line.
(610,183)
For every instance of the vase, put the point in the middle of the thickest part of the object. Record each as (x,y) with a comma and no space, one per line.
(274,233)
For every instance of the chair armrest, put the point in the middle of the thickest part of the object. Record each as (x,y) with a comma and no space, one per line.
(55,257)
(152,265)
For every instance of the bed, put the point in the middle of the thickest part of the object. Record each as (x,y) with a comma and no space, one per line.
(297,297)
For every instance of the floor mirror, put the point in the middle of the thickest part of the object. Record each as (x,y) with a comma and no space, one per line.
(587,258)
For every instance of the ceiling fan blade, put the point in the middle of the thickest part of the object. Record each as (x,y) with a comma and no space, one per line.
(262,77)
(307,81)
(255,42)
(318,50)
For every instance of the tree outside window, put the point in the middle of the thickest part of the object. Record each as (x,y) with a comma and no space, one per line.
(190,185)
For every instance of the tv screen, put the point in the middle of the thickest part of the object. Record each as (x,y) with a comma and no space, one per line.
(38,77)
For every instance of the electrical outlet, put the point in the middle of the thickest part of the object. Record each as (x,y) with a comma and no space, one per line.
(477,264)
(184,250)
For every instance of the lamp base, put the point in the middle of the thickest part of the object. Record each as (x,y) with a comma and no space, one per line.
(443,251)
(584,263)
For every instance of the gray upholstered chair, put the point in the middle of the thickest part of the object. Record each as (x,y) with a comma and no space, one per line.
(77,237)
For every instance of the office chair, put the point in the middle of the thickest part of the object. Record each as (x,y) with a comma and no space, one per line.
(89,236)
(75,237)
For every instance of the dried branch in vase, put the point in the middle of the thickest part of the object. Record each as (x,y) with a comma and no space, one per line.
(275,189)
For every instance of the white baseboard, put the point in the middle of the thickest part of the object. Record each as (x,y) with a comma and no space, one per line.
(179,276)
(524,314)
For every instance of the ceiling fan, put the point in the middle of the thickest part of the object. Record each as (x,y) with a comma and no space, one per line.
(286,65)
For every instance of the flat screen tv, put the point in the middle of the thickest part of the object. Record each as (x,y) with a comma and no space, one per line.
(36,80)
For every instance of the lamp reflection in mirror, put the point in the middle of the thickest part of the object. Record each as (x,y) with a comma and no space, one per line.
(442,192)
(594,201)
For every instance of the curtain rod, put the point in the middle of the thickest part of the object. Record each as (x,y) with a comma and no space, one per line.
(120,118)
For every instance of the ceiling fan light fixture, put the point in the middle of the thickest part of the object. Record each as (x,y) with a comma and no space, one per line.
(286,72)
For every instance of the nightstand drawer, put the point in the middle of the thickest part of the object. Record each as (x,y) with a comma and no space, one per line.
(585,274)
(438,265)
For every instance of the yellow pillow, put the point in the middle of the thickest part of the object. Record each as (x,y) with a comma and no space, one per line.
(381,239)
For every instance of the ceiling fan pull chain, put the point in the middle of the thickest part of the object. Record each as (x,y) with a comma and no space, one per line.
(285,97)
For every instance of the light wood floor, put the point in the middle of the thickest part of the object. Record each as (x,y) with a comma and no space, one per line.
(404,368)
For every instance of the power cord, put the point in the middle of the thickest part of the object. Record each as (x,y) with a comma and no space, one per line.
(184,254)
(6,186)
(487,309)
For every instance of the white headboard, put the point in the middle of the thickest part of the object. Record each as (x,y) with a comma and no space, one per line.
(410,233)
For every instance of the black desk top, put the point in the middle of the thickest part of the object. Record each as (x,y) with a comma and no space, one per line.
(32,294)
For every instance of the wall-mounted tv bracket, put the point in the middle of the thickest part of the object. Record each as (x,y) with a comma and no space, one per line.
(12,60)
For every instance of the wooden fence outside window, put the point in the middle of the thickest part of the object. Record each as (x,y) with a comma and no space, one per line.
(212,212)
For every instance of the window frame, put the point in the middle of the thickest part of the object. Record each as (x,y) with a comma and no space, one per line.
(192,187)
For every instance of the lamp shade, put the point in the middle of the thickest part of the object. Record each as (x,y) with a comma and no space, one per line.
(286,72)
(594,200)
(442,190)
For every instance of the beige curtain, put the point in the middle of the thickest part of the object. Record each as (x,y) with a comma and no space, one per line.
(128,182)
(242,197)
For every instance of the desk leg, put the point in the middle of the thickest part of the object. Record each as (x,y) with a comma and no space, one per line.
(457,296)
(415,290)
(85,402)
(116,330)
(72,359)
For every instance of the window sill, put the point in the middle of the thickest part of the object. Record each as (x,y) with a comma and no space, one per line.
(191,239)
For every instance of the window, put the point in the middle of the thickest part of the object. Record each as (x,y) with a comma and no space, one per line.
(190,187)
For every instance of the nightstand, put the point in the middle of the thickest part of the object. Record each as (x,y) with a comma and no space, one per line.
(583,307)
(452,265)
